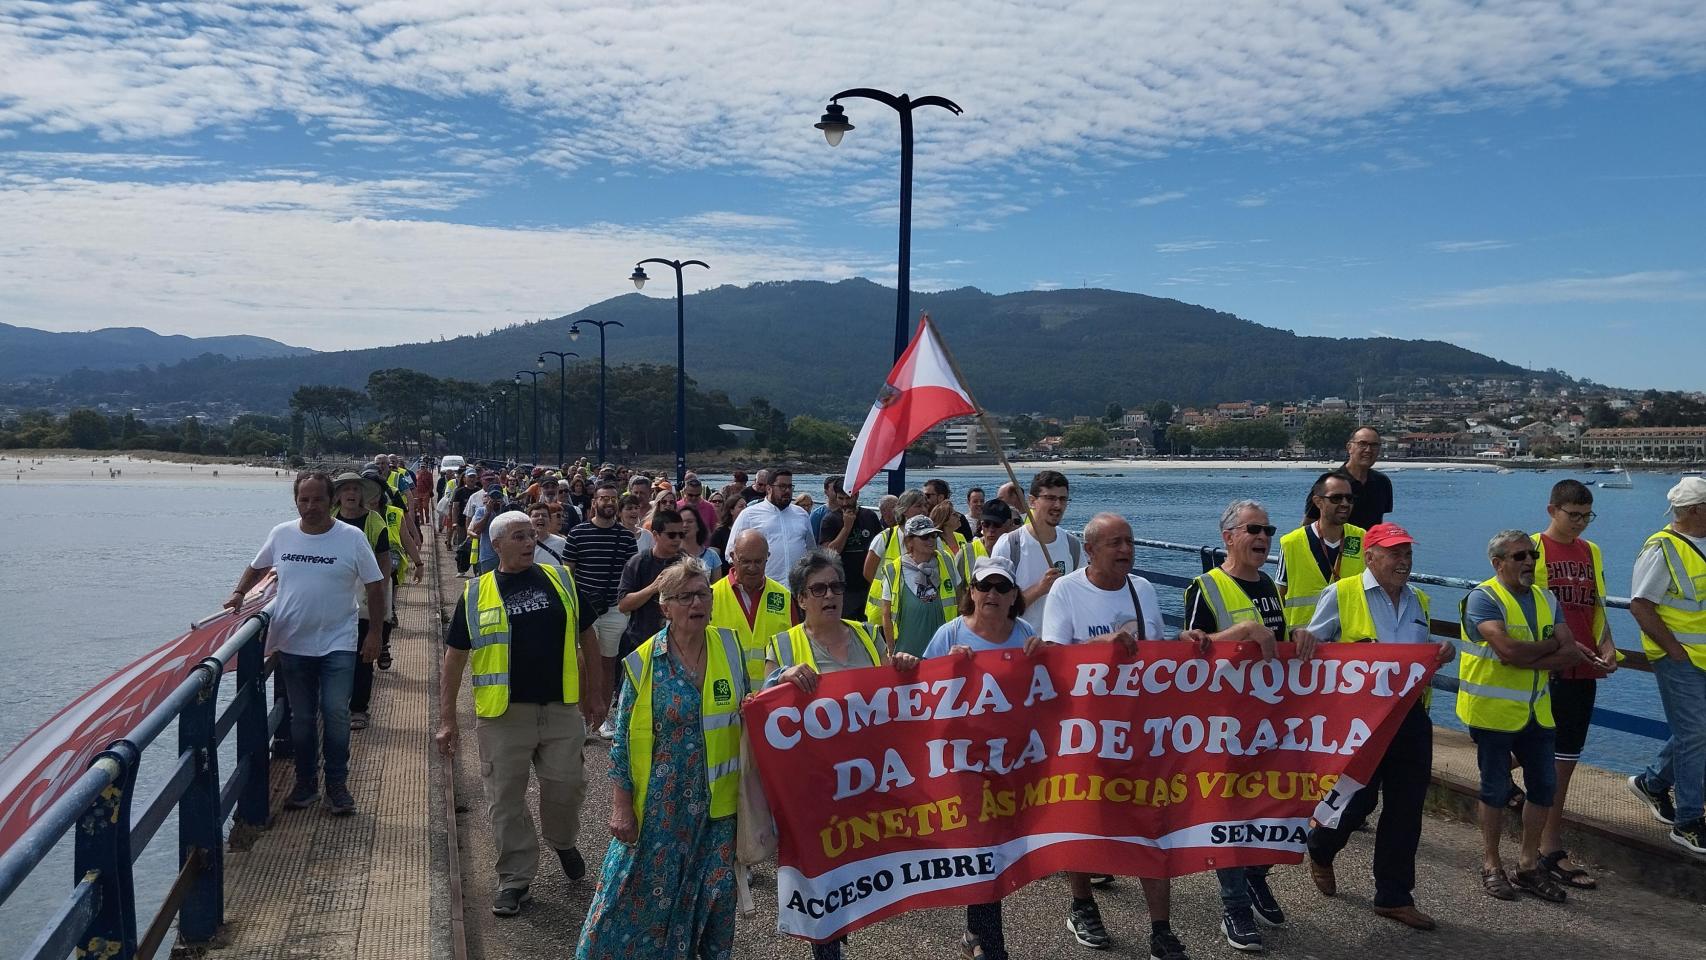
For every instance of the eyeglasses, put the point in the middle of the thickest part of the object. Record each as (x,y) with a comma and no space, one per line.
(1579,516)
(996,586)
(1261,529)
(700,596)
(1339,497)
(821,590)
(1523,556)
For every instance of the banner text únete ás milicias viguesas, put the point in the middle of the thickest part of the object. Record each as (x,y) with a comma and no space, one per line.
(967,779)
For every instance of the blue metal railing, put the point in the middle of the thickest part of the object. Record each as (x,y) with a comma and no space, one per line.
(98,918)
(1211,557)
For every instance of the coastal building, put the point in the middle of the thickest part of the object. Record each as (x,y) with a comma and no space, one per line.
(969,437)
(1645,443)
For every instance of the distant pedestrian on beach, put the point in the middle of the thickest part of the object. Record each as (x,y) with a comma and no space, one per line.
(1372,489)
(322,566)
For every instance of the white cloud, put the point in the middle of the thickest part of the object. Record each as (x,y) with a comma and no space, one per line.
(1648,286)
(729,220)
(1158,198)
(1188,246)
(330,264)
(1468,246)
(63,160)
(1251,200)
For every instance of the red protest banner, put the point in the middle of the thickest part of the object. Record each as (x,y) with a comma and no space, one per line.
(47,762)
(963,781)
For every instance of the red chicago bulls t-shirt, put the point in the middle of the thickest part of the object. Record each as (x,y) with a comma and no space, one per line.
(1569,575)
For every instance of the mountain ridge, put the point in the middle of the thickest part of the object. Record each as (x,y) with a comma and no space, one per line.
(32,353)
(821,347)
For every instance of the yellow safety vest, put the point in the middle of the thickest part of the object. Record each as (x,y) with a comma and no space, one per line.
(488,635)
(1356,620)
(1303,580)
(947,590)
(1492,694)
(394,520)
(1231,605)
(719,718)
(1683,608)
(773,617)
(968,557)
(891,552)
(1540,580)
(792,646)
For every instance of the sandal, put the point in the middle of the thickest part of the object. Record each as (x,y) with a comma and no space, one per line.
(1568,876)
(1537,883)
(970,948)
(1497,884)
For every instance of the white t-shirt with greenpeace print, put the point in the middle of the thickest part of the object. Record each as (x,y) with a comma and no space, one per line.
(1079,611)
(320,576)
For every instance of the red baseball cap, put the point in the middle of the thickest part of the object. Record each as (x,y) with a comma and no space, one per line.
(1386,535)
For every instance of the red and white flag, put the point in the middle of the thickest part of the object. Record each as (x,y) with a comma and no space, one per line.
(921,392)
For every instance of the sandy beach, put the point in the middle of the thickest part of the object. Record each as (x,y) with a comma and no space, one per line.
(18,467)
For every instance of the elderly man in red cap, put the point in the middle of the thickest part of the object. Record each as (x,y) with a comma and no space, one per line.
(1380,605)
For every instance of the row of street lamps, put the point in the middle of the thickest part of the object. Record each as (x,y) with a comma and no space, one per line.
(835,126)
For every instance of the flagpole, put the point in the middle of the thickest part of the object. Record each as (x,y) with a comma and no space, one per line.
(988,428)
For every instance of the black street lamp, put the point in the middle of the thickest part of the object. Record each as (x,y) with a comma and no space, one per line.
(835,125)
(575,334)
(639,277)
(535,375)
(562,379)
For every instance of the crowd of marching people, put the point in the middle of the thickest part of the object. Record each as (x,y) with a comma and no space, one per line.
(601,603)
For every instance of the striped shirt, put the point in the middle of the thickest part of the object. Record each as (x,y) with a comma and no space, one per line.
(597,555)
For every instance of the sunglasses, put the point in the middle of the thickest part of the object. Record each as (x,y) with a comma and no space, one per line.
(1339,497)
(993,586)
(674,534)
(1262,529)
(1523,556)
(821,590)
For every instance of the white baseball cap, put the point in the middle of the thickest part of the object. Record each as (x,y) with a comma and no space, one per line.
(1688,492)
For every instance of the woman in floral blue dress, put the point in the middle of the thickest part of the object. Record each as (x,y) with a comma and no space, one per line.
(667,888)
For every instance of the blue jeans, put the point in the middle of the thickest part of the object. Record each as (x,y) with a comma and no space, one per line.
(1235,886)
(318,690)
(1533,747)
(1682,761)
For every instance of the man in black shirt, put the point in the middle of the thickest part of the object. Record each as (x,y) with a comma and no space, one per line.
(638,590)
(848,529)
(1372,489)
(1237,601)
(531,712)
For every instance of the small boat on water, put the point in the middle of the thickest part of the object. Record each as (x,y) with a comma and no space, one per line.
(1626,482)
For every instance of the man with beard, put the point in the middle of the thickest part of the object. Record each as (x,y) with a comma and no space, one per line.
(596,551)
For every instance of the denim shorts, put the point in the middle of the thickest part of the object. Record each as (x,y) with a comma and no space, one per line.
(1532,746)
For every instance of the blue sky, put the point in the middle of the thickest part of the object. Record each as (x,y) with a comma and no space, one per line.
(1524,179)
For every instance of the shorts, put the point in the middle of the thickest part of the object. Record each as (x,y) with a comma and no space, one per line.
(1572,711)
(609,627)
(1532,748)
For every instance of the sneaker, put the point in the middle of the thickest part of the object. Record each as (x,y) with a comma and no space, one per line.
(1240,930)
(1085,922)
(573,866)
(1262,901)
(358,720)
(304,796)
(338,801)
(1163,945)
(1101,881)
(1657,801)
(384,660)
(507,903)
(607,729)
(1690,836)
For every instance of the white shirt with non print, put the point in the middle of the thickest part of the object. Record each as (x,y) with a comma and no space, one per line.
(788,531)
(1652,572)
(1031,566)
(320,576)
(1079,611)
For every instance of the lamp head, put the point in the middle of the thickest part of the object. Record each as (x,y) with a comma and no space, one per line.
(541,361)
(575,332)
(518,379)
(834,124)
(639,277)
